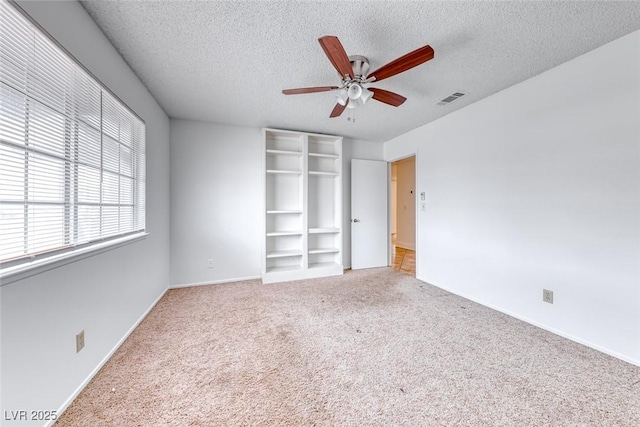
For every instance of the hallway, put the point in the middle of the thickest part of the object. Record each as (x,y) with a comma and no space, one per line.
(404,260)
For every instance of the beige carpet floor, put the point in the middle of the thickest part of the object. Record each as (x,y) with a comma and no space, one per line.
(370,348)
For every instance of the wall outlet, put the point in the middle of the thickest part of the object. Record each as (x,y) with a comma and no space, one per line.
(210,263)
(79,341)
(547,296)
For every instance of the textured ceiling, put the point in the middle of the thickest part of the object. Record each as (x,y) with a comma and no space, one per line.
(227,62)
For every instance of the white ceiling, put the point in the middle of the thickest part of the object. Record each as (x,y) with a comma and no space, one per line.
(227,61)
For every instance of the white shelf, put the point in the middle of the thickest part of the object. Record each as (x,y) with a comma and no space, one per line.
(320,173)
(284,233)
(283,268)
(284,172)
(323,264)
(282,254)
(323,230)
(275,212)
(285,153)
(324,251)
(328,156)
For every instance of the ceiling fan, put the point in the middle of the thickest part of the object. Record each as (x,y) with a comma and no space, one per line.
(354,72)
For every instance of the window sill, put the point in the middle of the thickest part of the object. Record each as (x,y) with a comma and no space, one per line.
(22,271)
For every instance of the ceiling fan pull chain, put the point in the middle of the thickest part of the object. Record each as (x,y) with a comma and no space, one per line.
(350,113)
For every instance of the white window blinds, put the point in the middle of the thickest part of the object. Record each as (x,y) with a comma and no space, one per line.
(72,156)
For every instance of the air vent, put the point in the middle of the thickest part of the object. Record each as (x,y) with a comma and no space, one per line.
(449,99)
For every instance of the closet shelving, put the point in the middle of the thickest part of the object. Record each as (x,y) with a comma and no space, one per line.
(303,206)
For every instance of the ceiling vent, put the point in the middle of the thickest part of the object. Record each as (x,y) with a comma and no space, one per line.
(449,99)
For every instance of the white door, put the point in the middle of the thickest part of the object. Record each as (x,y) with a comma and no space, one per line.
(369,223)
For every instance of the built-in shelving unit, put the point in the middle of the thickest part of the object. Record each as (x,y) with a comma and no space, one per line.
(303,206)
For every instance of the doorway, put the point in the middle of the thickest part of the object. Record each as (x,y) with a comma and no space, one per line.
(403,215)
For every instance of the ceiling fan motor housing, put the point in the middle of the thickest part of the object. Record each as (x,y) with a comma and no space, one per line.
(360,65)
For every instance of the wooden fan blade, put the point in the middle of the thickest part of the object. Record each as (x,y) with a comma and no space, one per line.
(336,54)
(338,109)
(404,63)
(301,90)
(387,97)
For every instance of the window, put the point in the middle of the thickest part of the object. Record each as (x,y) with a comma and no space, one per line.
(72,156)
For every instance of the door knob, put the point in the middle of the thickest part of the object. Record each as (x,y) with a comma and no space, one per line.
(356,220)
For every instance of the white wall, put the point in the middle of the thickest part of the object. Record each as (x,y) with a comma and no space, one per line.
(105,294)
(538,187)
(216,193)
(406,203)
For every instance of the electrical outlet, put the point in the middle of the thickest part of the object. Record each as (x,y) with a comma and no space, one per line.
(210,263)
(547,296)
(79,341)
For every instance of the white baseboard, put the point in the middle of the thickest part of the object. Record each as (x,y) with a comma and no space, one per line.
(81,387)
(214,282)
(545,327)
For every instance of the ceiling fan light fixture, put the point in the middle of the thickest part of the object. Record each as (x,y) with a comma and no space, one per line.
(366,95)
(342,96)
(354,91)
(356,103)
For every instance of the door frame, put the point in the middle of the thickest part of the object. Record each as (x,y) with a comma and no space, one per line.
(417,208)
